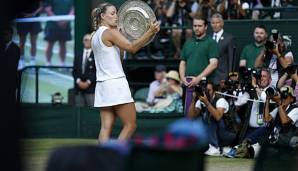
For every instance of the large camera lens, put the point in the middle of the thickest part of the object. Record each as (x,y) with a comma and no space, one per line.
(271,92)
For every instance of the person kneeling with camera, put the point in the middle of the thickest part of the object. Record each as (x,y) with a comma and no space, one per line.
(212,109)
(284,118)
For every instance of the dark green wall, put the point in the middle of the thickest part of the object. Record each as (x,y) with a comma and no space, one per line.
(243,31)
(47,121)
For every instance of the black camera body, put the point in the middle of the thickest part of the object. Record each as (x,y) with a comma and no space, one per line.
(231,85)
(245,75)
(271,44)
(271,92)
(200,89)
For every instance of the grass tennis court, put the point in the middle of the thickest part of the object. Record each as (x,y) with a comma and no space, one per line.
(36,152)
(50,80)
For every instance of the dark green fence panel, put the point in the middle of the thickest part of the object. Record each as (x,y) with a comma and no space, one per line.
(65,121)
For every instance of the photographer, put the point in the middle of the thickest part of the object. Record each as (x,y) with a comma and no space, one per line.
(289,78)
(274,56)
(285,116)
(237,105)
(214,110)
(255,128)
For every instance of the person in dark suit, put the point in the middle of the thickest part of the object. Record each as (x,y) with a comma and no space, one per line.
(11,123)
(84,73)
(226,49)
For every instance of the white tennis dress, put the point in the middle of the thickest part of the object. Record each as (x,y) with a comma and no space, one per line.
(112,87)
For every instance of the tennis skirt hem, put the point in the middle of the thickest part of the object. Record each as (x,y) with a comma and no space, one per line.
(112,92)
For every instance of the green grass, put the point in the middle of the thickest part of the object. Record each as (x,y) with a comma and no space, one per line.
(36,153)
(48,84)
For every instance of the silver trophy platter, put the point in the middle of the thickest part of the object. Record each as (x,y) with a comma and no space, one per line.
(134,18)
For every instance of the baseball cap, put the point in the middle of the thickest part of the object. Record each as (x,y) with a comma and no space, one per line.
(160,68)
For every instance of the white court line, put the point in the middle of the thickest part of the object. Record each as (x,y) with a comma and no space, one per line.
(55,73)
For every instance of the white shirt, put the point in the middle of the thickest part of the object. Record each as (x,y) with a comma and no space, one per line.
(107,59)
(255,111)
(293,115)
(86,54)
(273,70)
(154,86)
(217,35)
(221,103)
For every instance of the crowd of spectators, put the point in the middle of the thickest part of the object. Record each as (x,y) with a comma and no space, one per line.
(244,106)
(179,14)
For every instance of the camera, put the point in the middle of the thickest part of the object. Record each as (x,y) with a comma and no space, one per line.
(271,92)
(231,85)
(57,98)
(271,44)
(245,75)
(200,89)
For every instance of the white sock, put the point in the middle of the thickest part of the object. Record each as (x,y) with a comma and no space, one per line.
(48,63)
(33,58)
(22,57)
(257,148)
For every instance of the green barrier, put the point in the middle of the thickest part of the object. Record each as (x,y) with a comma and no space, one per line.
(65,121)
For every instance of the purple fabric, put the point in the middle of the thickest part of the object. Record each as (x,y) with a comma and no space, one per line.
(188,97)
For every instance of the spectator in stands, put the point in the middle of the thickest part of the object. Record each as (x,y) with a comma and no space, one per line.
(180,14)
(251,51)
(171,86)
(159,74)
(58,31)
(199,58)
(162,47)
(288,13)
(256,14)
(32,28)
(226,47)
(205,8)
(214,110)
(231,9)
(84,73)
(274,56)
(171,91)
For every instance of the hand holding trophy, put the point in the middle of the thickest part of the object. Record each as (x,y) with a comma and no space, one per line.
(135,19)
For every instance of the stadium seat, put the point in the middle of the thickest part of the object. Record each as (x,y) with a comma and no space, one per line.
(141,94)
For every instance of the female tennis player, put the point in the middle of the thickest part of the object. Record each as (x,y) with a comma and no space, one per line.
(112,93)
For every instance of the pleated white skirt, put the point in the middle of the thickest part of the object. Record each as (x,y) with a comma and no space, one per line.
(112,92)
